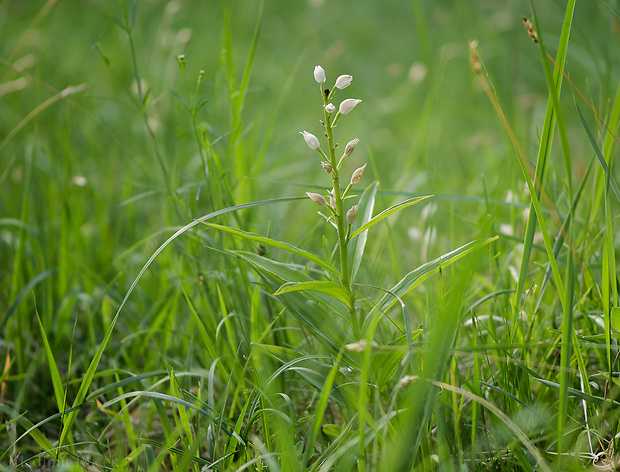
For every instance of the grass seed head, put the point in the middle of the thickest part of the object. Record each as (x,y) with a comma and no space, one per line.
(530,29)
(473,55)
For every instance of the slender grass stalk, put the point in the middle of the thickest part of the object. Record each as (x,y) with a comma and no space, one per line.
(544,152)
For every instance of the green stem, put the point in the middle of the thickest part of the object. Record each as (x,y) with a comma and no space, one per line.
(341,224)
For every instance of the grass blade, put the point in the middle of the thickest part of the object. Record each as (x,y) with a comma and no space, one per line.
(599,154)
(544,151)
(279,244)
(417,276)
(90,372)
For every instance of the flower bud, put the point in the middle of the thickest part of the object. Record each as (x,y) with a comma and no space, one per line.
(347,105)
(330,108)
(343,81)
(357,175)
(317,198)
(311,140)
(327,166)
(350,147)
(319,74)
(352,214)
(332,198)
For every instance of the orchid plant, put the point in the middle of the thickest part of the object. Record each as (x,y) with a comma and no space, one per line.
(317,301)
(336,205)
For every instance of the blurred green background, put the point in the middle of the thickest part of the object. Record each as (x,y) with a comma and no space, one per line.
(84,201)
(424,120)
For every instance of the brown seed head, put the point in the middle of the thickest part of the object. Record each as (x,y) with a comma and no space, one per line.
(530,29)
(473,55)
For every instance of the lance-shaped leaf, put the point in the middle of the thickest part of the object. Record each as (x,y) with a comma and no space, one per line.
(389,211)
(319,313)
(332,289)
(417,276)
(363,215)
(279,244)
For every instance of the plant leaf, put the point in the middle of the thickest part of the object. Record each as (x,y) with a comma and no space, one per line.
(598,153)
(317,311)
(329,288)
(615,318)
(417,276)
(356,247)
(389,211)
(279,244)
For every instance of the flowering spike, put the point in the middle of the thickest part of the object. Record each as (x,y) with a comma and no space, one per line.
(319,74)
(317,198)
(350,147)
(347,105)
(357,175)
(311,140)
(343,81)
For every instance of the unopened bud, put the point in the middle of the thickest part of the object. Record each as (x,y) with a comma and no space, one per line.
(330,108)
(357,175)
(311,140)
(347,105)
(317,198)
(319,74)
(343,81)
(327,166)
(332,198)
(352,214)
(350,147)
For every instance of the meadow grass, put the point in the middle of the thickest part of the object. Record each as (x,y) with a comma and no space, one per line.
(171,300)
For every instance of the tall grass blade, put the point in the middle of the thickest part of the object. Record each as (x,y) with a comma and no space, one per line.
(319,411)
(59,392)
(544,151)
(599,154)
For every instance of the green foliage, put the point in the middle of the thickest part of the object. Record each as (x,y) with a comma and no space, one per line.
(170,300)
